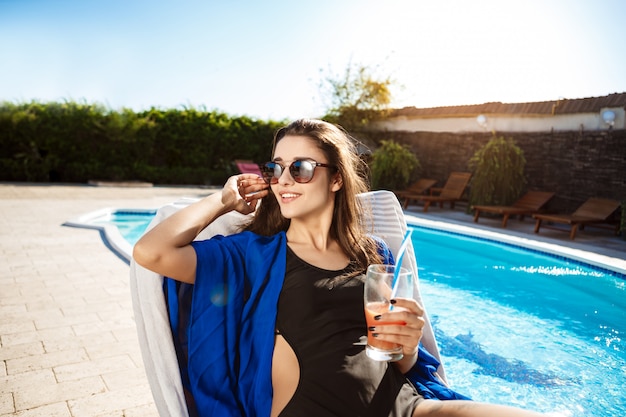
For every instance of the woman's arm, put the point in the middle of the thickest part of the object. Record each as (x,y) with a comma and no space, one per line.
(166,249)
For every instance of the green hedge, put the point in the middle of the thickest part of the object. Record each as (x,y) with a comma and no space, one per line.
(74,142)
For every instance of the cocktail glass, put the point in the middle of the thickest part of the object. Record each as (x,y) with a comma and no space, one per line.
(381,285)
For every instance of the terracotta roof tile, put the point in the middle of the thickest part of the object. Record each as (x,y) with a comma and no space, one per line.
(561,106)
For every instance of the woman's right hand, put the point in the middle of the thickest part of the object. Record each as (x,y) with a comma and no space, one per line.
(242,192)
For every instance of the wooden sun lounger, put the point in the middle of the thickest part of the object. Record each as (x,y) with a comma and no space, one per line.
(248,167)
(420,187)
(451,192)
(594,211)
(530,203)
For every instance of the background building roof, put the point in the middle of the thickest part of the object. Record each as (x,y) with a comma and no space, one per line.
(560,106)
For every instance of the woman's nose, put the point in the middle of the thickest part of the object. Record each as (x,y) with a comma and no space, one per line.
(285,177)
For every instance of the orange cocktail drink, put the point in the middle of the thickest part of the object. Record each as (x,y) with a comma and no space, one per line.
(372,310)
(382,283)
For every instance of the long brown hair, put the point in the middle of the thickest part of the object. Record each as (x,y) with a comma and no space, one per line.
(347,226)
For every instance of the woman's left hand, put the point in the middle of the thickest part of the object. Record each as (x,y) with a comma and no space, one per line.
(409,334)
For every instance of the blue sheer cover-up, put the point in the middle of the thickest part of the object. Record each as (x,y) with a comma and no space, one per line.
(223,327)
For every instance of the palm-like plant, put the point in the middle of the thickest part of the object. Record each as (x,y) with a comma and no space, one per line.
(498,173)
(393,166)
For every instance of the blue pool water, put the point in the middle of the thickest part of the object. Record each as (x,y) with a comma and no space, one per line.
(522,328)
(131,224)
(514,326)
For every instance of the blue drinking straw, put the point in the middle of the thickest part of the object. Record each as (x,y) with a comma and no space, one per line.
(394,281)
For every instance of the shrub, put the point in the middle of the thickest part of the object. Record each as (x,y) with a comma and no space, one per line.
(393,166)
(77,142)
(498,173)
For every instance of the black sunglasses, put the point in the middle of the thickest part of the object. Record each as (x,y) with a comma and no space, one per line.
(301,170)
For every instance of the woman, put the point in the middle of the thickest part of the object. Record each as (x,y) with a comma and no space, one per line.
(282,301)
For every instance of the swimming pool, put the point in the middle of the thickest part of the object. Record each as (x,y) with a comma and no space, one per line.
(131,224)
(514,326)
(119,228)
(524,328)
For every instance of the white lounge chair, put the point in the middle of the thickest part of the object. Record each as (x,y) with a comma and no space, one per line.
(151,315)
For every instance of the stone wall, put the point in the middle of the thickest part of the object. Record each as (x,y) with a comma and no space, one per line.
(576,165)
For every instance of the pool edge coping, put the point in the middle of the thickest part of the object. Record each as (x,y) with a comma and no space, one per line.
(111,235)
(114,240)
(595,259)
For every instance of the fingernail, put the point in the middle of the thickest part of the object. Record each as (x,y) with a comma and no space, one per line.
(375,334)
(392,301)
(377,317)
(371,328)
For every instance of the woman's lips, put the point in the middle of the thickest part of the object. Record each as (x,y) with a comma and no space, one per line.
(286,197)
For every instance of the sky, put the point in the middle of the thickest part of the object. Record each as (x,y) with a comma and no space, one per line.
(267,59)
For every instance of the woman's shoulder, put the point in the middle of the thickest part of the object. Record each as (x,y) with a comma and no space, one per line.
(248,236)
(244,238)
(243,246)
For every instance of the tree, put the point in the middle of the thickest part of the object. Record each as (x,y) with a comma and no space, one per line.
(356,97)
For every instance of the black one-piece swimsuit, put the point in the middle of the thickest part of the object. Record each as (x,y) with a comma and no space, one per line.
(320,315)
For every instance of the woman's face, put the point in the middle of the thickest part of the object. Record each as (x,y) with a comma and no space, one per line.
(304,200)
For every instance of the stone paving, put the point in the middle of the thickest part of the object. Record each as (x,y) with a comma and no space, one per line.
(68,344)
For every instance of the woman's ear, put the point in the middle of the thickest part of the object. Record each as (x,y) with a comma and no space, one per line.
(336,183)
